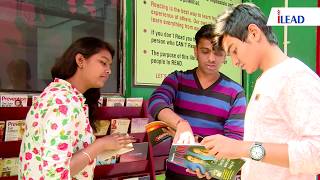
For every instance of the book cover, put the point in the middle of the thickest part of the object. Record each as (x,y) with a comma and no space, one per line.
(14,130)
(120,125)
(100,101)
(197,156)
(158,132)
(2,130)
(34,99)
(134,102)
(15,100)
(1,167)
(102,127)
(139,153)
(138,125)
(138,178)
(10,167)
(111,160)
(115,101)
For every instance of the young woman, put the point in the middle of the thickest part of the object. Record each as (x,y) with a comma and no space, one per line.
(58,142)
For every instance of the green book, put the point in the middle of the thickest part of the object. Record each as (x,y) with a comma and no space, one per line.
(197,157)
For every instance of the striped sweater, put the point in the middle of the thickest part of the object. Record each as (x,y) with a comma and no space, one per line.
(219,109)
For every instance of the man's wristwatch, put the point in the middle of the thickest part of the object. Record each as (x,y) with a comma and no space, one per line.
(257,151)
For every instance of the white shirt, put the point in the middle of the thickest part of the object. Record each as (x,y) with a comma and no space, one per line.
(285,108)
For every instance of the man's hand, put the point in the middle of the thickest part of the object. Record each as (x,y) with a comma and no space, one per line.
(184,134)
(199,174)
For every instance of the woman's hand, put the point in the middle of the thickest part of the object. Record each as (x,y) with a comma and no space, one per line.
(116,141)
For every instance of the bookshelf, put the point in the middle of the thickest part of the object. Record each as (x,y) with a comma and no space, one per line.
(160,155)
(114,171)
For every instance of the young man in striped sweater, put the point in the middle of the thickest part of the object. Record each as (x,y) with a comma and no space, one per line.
(205,102)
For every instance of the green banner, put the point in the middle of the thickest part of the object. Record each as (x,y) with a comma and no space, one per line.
(164,37)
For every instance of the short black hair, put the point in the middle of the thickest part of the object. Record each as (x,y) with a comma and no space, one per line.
(207,32)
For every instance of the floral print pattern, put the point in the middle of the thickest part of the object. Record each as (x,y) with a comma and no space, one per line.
(57,126)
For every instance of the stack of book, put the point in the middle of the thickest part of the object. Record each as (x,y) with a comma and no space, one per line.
(120,101)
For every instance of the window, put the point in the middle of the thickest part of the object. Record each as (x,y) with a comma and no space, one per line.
(37,32)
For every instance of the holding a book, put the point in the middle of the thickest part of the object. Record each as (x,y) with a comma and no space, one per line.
(199,101)
(282,129)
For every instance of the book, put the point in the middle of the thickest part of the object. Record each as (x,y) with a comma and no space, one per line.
(138,178)
(10,167)
(115,101)
(197,156)
(138,125)
(2,130)
(102,127)
(160,177)
(16,100)
(120,125)
(134,102)
(1,166)
(139,153)
(111,160)
(34,99)
(158,132)
(14,130)
(100,101)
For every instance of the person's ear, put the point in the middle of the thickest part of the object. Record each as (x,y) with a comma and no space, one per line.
(80,60)
(254,33)
(195,51)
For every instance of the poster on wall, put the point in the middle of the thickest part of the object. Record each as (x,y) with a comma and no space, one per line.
(164,37)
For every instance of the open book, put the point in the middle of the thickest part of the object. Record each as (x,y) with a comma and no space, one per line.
(197,157)
(109,154)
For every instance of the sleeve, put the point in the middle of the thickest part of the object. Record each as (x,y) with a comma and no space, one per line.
(164,95)
(300,105)
(60,129)
(233,127)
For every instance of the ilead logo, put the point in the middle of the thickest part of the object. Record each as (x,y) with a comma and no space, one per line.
(290,19)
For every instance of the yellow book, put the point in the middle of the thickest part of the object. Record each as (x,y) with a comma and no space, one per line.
(102,127)
(10,167)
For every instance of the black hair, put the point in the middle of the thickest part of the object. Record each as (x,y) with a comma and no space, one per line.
(235,22)
(66,67)
(207,32)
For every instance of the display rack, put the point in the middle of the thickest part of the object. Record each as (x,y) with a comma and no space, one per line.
(113,171)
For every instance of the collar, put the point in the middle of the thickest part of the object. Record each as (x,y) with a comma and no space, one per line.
(70,87)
